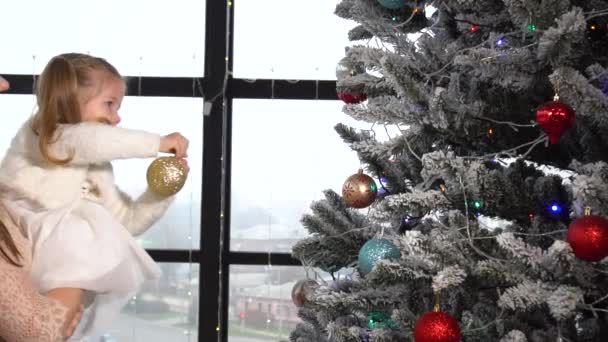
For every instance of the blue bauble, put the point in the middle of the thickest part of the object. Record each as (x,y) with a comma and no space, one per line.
(375,250)
(392,4)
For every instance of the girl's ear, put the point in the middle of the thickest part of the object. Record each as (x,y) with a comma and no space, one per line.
(4,85)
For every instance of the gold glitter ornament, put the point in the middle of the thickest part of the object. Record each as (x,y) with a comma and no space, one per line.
(166,176)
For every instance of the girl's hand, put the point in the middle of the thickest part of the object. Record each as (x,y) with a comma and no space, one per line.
(184,163)
(4,85)
(174,143)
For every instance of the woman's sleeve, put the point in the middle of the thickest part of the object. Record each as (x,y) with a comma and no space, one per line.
(96,143)
(26,315)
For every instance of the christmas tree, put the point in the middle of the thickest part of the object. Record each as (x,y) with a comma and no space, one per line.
(485,219)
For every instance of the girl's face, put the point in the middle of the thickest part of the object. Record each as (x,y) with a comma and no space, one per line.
(103,106)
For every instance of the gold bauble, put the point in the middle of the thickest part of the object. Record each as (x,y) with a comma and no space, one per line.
(302,291)
(166,176)
(359,190)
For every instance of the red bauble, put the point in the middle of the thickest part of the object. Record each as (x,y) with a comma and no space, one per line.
(437,327)
(588,237)
(352,97)
(555,118)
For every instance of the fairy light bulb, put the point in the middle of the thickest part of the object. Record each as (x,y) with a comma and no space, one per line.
(473,28)
(531,27)
(556,208)
(500,41)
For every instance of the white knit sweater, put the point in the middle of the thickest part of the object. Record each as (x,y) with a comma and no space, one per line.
(94,146)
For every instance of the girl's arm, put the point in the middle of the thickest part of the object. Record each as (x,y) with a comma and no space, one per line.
(96,143)
(25,314)
(140,214)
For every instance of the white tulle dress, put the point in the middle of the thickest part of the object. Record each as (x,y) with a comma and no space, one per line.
(82,246)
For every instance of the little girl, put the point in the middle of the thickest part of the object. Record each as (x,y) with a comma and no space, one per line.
(79,222)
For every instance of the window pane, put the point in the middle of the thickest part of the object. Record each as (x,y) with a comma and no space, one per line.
(297,40)
(15,109)
(150,38)
(180,226)
(260,304)
(284,154)
(260,307)
(165,310)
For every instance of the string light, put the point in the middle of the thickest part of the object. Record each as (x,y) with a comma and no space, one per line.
(593,27)
(473,28)
(555,208)
(500,41)
(531,27)
(490,131)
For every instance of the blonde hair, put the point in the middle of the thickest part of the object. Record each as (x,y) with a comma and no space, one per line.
(66,82)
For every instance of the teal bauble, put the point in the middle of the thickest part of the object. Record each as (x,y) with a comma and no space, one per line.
(375,250)
(380,320)
(392,4)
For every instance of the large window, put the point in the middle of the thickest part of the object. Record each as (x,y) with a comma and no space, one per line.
(280,153)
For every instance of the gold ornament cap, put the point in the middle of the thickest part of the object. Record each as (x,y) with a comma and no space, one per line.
(437,305)
(166,176)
